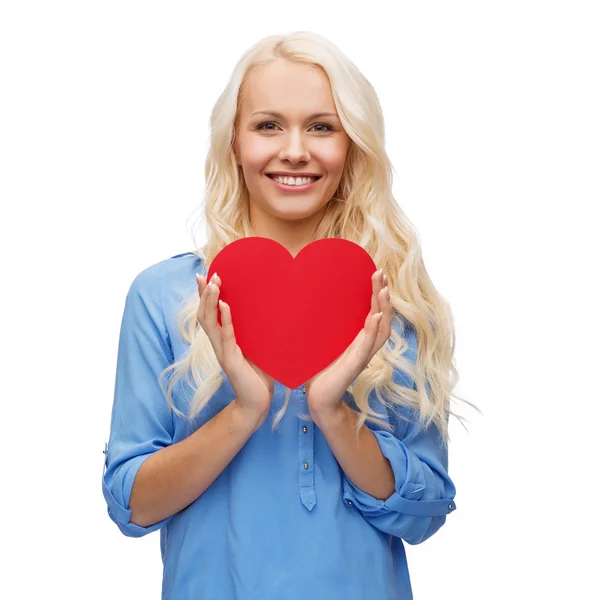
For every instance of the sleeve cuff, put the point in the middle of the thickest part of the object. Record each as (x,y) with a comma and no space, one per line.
(118,502)
(406,496)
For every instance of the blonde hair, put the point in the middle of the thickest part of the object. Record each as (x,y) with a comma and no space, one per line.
(363,210)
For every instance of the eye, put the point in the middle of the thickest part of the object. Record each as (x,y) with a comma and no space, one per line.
(263,128)
(262,125)
(329,127)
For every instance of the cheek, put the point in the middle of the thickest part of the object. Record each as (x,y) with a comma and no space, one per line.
(257,153)
(333,157)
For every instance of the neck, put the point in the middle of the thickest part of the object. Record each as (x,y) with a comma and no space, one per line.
(291,234)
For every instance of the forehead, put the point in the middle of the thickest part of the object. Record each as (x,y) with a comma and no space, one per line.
(289,88)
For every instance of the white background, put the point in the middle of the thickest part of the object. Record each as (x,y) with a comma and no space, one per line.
(492,121)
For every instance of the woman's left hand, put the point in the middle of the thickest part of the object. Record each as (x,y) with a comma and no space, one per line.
(325,390)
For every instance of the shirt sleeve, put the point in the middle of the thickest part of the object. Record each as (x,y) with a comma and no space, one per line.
(423,491)
(141,421)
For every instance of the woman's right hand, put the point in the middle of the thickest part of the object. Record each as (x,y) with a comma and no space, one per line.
(252,386)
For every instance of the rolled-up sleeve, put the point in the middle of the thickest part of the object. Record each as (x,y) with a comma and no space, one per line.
(423,491)
(141,420)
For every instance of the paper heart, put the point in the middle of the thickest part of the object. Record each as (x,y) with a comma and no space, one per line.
(294,316)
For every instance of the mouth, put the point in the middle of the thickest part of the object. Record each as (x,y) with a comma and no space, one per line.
(289,184)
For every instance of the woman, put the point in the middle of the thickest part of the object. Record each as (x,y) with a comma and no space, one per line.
(254,500)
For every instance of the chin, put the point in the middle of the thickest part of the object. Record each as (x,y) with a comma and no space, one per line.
(293,212)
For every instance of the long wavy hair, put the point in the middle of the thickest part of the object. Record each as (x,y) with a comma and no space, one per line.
(363,210)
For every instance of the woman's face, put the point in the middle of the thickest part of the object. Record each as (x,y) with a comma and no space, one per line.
(296,141)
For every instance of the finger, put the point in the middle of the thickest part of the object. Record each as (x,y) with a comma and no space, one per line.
(209,318)
(376,286)
(385,324)
(384,305)
(365,349)
(211,302)
(227,331)
(204,299)
(373,330)
(371,340)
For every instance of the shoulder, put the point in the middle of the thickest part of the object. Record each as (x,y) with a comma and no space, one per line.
(173,275)
(181,268)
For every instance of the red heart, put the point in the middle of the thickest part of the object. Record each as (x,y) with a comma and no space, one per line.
(294,316)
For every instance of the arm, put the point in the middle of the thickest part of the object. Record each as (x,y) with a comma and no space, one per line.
(423,493)
(172,478)
(147,478)
(361,459)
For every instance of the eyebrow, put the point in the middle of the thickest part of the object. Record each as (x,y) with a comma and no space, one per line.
(280,116)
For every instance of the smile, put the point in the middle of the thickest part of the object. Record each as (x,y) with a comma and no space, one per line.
(304,184)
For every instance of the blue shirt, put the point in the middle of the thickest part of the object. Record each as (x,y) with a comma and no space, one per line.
(282,521)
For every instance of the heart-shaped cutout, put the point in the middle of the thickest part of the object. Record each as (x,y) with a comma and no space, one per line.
(294,316)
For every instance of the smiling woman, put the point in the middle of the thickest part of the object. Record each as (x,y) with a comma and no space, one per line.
(246,510)
(305,140)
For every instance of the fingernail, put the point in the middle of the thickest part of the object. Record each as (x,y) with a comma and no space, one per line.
(387,292)
(214,277)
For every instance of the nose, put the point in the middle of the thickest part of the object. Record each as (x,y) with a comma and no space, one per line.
(294,148)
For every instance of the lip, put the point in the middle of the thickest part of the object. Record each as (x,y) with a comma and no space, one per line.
(297,188)
(289,174)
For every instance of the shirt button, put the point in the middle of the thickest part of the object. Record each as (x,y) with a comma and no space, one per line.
(450,506)
(306,465)
(305,429)
(303,390)
(349,502)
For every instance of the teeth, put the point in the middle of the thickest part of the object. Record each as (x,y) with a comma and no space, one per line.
(294,180)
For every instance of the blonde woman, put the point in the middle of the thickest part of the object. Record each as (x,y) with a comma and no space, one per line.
(259,491)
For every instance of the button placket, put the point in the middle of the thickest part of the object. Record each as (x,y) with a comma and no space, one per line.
(306,475)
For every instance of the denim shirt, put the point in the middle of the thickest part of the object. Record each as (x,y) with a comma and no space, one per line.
(282,521)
